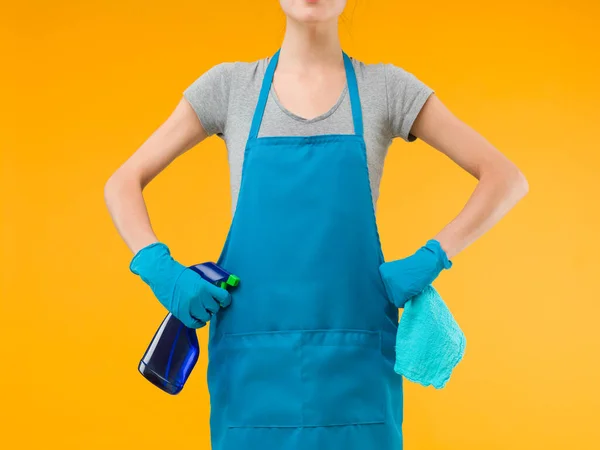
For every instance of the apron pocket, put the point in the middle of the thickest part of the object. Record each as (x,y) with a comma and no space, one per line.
(343,377)
(264,379)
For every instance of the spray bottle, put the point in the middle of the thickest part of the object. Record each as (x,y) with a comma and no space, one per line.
(174,350)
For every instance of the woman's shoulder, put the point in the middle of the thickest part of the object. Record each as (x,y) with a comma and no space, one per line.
(379,73)
(400,91)
(392,78)
(240,73)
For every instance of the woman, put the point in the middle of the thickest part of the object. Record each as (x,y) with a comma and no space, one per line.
(301,353)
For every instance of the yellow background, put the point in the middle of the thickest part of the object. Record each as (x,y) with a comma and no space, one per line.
(83,84)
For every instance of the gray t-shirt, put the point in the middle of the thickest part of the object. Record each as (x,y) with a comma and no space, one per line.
(224,98)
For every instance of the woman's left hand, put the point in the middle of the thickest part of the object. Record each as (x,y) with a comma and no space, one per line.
(407,277)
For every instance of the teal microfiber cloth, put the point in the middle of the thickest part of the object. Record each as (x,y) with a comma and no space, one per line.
(429,342)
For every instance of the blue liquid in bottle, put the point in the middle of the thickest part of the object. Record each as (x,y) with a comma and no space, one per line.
(171,356)
(174,350)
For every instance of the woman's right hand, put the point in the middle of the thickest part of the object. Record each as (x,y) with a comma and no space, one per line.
(184,293)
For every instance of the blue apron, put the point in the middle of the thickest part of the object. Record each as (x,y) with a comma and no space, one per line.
(303,357)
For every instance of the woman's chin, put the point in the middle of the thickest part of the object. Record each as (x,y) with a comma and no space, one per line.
(314,12)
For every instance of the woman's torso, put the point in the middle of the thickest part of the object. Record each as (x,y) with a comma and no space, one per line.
(225,96)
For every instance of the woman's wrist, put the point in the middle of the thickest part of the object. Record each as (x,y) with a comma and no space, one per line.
(142,243)
(435,246)
(446,245)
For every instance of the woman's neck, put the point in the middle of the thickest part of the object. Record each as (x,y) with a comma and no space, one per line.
(306,45)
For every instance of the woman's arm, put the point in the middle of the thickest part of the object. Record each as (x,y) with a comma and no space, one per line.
(501,184)
(123,191)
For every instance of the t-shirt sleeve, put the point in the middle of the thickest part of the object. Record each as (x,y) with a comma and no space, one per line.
(406,95)
(208,95)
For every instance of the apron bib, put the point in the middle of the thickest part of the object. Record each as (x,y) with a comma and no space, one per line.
(303,357)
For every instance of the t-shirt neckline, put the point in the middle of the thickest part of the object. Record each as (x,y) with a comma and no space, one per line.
(298,118)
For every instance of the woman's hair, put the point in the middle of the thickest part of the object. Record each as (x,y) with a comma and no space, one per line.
(348,22)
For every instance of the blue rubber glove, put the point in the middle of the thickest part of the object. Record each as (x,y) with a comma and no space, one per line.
(183,292)
(405,278)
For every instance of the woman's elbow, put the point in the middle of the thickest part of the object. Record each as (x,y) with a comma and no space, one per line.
(111,187)
(519,185)
(507,178)
(513,183)
(115,185)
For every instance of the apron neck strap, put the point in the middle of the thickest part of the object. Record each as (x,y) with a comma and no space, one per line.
(266,87)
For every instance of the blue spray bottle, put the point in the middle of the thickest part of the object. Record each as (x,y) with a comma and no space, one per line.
(174,350)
